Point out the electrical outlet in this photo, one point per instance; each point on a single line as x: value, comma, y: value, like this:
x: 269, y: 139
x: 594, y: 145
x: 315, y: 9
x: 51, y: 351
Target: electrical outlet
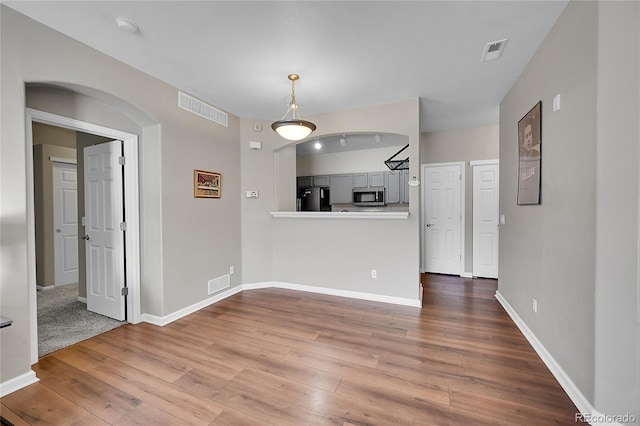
x: 374, y: 273
x: 535, y: 306
x: 231, y: 270
x: 251, y: 194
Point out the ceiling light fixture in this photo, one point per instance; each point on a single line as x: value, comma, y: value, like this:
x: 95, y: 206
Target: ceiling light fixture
x: 295, y: 128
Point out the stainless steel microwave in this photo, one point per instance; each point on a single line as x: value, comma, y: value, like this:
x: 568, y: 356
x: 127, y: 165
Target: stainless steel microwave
x: 368, y: 197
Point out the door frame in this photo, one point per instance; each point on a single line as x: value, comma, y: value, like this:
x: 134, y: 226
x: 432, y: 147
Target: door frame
x: 495, y: 162
x: 423, y: 207
x: 132, y: 212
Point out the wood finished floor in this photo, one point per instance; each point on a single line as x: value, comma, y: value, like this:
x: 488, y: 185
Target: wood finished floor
x: 280, y: 357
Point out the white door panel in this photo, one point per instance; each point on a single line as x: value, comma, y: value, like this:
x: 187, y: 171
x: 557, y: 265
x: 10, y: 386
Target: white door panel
x: 65, y: 223
x: 443, y: 219
x: 104, y: 212
x: 485, y: 220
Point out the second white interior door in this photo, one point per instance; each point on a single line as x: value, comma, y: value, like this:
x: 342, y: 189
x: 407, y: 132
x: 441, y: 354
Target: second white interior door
x: 485, y: 220
x: 65, y: 223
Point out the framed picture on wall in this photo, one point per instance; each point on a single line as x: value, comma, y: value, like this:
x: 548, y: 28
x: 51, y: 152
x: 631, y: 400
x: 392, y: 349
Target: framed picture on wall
x: 529, y: 156
x: 206, y: 184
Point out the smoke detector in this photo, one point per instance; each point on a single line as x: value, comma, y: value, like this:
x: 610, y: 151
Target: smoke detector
x: 127, y: 25
x: 493, y: 50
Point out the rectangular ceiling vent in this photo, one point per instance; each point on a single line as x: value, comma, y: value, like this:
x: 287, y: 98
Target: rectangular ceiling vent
x: 493, y: 50
x: 198, y: 107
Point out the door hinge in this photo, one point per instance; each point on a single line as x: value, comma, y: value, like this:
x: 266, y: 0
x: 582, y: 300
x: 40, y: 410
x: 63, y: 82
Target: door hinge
x: 125, y: 291
x: 123, y: 226
x: 122, y: 161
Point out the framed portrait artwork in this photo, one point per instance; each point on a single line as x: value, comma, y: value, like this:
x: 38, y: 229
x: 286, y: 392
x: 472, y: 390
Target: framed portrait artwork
x: 529, y: 156
x: 206, y: 184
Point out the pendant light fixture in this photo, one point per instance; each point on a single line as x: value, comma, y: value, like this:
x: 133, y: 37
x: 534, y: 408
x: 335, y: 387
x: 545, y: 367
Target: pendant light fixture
x: 295, y: 128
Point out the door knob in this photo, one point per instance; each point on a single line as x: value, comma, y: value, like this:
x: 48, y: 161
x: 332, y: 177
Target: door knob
x: 86, y: 237
x: 57, y: 231
x: 429, y: 225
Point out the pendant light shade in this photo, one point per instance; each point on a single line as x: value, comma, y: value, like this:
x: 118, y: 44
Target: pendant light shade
x: 295, y: 128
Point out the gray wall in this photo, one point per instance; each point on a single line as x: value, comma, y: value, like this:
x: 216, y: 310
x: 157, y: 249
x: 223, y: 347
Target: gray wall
x: 617, y: 303
x: 199, y: 238
x: 258, y: 169
x: 467, y: 144
x: 547, y: 251
x: 577, y: 252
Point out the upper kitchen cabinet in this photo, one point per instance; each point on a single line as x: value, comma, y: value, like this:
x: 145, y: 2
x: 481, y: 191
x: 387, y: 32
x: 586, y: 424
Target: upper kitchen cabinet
x: 313, y: 181
x: 404, y: 186
x: 321, y: 180
x: 368, y: 180
x: 341, y: 188
x: 360, y: 180
x: 305, y: 181
x: 397, y: 186
x: 393, y: 187
x: 376, y: 179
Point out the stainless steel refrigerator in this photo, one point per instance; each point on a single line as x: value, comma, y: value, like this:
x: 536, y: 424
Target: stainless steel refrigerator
x: 314, y: 200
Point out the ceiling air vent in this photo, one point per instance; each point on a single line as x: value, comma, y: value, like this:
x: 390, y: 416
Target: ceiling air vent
x: 493, y: 50
x: 203, y: 110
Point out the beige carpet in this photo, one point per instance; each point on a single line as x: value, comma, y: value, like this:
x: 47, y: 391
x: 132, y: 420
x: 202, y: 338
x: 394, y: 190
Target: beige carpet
x: 63, y: 320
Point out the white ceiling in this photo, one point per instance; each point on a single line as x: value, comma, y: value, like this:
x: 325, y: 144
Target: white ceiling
x: 236, y: 55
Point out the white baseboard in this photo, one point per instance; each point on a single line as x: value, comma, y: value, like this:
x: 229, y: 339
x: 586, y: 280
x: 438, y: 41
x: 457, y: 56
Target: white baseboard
x: 45, y: 287
x: 466, y: 275
x: 583, y: 405
x: 82, y: 300
x: 164, y: 320
x: 19, y: 382
x: 416, y: 303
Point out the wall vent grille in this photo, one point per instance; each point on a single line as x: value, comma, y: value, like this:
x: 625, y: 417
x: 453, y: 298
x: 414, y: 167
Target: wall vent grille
x: 198, y: 107
x: 220, y: 283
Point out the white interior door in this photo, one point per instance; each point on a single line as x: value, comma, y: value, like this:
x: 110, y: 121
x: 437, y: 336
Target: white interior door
x: 65, y: 223
x: 486, y: 204
x: 443, y: 219
x: 104, y: 213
